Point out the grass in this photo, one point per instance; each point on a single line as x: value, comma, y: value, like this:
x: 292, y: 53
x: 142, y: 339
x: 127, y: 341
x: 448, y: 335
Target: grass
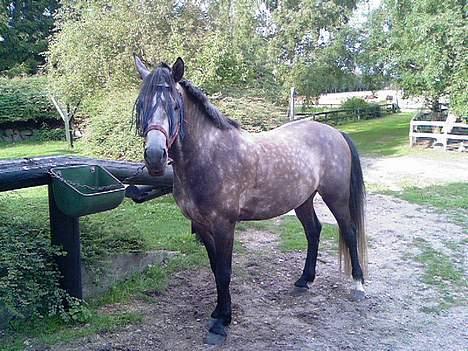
x: 34, y: 149
x: 442, y: 272
x: 387, y: 136
x: 52, y: 330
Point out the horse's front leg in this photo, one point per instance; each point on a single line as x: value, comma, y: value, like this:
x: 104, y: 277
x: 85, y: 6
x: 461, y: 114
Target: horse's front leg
x: 223, y: 235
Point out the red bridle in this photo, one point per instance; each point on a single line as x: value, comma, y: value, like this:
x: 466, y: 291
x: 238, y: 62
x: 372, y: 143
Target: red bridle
x: 169, y: 140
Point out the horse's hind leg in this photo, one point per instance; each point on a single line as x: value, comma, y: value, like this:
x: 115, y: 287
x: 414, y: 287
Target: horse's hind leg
x: 341, y: 212
x: 312, y: 228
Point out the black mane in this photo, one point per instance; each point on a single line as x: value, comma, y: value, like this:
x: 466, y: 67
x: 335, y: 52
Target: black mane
x: 213, y: 114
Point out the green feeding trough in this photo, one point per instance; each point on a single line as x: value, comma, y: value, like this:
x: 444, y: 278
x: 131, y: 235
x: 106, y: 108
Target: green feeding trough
x: 83, y: 190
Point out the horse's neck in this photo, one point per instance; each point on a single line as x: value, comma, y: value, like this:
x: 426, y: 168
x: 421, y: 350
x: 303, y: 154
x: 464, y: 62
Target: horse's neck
x: 198, y: 136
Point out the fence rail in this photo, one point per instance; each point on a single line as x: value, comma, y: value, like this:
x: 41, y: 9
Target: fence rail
x: 337, y: 116
x: 442, y: 132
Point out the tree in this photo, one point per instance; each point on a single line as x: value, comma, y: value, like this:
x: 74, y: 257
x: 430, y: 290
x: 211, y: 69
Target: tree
x: 427, y: 49
x: 24, y: 29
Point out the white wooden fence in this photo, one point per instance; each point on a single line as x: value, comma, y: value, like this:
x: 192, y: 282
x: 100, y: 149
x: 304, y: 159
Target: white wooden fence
x: 442, y: 132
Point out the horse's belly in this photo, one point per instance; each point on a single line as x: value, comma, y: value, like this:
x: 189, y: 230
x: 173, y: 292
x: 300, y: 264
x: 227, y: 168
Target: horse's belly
x: 261, y: 205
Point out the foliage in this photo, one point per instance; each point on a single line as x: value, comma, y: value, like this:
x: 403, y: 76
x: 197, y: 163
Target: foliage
x: 28, y: 278
x: 371, y: 42
x: 25, y: 100
x: 111, y: 132
x: 426, y: 48
x: 49, y: 134
x: 255, y: 114
x: 355, y: 103
x: 24, y: 27
x: 361, y: 107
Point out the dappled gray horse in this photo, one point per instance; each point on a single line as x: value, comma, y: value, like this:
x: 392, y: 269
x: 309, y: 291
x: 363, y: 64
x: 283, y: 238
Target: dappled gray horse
x: 223, y: 175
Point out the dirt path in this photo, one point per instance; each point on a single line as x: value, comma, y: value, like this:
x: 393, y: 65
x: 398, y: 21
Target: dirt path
x: 268, y: 315
x: 396, y: 172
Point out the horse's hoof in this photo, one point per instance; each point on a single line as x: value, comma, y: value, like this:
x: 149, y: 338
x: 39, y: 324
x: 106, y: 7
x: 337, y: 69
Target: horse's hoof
x: 217, y: 332
x: 301, y: 284
x: 298, y: 290
x: 358, y: 295
x: 214, y: 339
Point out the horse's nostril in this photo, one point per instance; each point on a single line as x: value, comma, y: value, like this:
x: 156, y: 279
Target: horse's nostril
x: 145, y: 154
x: 164, y: 154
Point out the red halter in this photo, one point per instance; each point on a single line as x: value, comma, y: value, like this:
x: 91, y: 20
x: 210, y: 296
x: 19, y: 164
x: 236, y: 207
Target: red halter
x: 169, y: 140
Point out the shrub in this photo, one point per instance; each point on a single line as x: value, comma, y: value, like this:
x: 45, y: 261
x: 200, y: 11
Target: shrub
x: 362, y: 109
x: 110, y: 132
x: 374, y: 110
x: 28, y: 277
x: 25, y: 100
x: 355, y: 104
x: 49, y: 134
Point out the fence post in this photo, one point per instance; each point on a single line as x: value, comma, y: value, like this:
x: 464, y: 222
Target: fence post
x: 65, y: 232
x: 291, y: 104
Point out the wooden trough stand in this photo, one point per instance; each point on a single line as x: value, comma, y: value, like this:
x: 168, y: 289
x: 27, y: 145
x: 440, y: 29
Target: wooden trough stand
x: 64, y: 176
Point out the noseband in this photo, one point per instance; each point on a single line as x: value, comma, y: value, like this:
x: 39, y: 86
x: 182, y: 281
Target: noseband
x: 170, y: 139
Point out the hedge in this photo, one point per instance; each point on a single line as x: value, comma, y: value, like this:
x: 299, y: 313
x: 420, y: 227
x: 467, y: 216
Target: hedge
x: 25, y: 100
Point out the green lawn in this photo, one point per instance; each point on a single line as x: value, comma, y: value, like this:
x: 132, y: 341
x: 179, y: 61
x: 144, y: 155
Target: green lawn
x: 34, y: 149
x: 387, y: 136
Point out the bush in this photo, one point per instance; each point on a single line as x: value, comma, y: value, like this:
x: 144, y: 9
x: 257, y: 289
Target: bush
x: 362, y: 109
x: 49, y: 134
x: 355, y: 104
x: 374, y: 110
x: 25, y: 100
x: 28, y: 277
x: 110, y: 131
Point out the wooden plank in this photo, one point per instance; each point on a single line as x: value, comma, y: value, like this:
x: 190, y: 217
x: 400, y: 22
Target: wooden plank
x: 27, y: 172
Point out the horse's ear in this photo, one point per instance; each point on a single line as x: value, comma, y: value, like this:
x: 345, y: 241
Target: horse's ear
x: 178, y: 69
x: 140, y: 66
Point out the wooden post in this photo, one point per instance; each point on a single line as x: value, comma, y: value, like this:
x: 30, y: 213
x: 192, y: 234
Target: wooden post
x: 291, y: 104
x: 65, y: 233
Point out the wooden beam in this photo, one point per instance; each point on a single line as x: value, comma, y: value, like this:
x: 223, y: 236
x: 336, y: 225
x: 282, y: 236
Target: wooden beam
x: 27, y: 172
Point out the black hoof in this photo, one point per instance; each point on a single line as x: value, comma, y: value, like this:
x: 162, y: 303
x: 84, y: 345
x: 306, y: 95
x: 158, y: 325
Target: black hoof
x: 217, y: 332
x: 214, y: 339
x: 358, y: 295
x: 297, y: 291
x: 301, y: 283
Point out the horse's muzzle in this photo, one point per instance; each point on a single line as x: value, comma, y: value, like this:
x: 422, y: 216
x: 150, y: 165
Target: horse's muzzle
x: 156, y: 161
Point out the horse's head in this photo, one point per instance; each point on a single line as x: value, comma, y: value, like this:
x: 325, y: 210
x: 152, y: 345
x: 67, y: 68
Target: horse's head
x: 159, y: 112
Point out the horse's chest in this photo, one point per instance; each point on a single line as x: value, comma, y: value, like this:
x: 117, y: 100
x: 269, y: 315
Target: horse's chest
x: 186, y: 202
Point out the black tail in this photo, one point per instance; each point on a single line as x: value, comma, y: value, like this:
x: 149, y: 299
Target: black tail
x: 356, y: 207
